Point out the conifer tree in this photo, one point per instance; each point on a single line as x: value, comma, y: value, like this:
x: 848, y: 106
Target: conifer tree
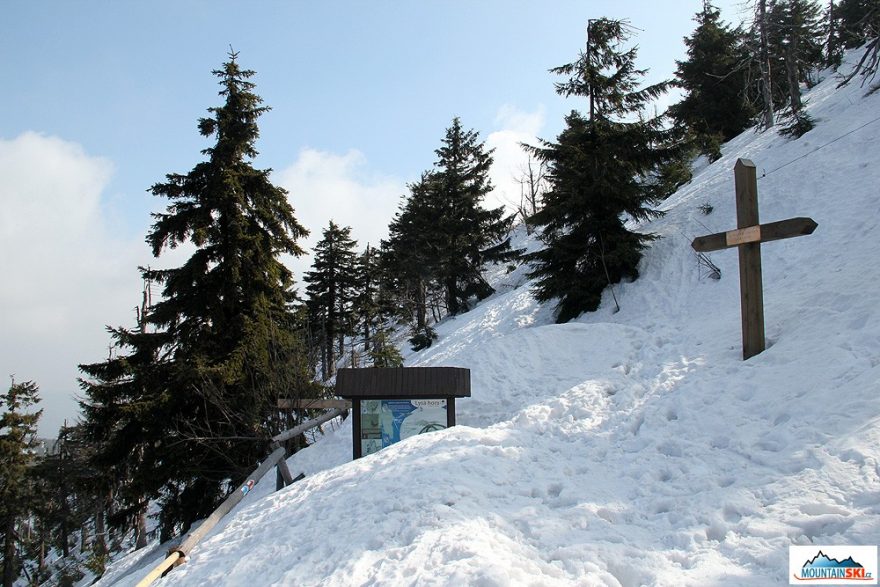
x: 331, y: 290
x: 410, y: 257
x: 369, y: 306
x: 716, y: 107
x: 230, y: 344
x: 472, y: 236
x: 856, y: 21
x: 18, y: 431
x: 600, y: 168
x: 383, y: 353
x: 127, y: 413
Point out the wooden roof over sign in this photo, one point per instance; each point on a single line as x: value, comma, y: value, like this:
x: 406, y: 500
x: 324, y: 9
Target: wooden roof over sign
x: 408, y: 382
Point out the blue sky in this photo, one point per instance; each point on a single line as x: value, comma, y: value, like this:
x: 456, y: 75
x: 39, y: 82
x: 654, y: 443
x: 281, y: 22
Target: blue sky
x: 101, y: 100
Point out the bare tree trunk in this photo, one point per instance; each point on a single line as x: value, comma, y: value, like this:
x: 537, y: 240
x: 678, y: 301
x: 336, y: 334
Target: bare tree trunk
x: 141, y: 530
x: 83, y: 538
x: 100, y: 529
x: 831, y: 46
x: 329, y: 350
x: 366, y: 335
x: 421, y: 307
x: 590, y: 81
x: 9, y: 574
x: 794, y: 90
x: 765, y: 65
x: 41, y: 562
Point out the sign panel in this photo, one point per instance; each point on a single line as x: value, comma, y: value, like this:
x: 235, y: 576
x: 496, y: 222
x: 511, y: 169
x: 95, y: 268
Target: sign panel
x: 386, y: 421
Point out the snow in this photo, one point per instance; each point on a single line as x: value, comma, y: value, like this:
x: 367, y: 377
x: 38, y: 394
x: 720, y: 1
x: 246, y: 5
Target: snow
x: 628, y: 448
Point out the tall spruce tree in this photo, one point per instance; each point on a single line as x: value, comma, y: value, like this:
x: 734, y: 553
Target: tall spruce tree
x: 472, y: 236
x: 714, y: 76
x: 410, y: 258
x: 18, y: 432
x: 231, y: 347
x: 599, y: 169
x: 331, y: 291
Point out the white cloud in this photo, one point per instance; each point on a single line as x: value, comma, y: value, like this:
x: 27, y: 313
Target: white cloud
x: 327, y: 186
x: 514, y: 128
x: 63, y: 275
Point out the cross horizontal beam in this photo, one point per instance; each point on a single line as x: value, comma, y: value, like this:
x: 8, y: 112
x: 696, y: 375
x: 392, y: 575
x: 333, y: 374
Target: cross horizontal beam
x: 760, y: 233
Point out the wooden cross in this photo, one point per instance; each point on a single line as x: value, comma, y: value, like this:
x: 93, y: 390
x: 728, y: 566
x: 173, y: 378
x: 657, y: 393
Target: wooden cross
x: 748, y: 236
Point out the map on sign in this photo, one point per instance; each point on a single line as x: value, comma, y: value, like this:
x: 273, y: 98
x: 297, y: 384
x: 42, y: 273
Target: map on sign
x: 386, y: 421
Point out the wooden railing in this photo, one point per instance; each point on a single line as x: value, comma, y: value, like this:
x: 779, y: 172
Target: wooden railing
x: 276, y: 459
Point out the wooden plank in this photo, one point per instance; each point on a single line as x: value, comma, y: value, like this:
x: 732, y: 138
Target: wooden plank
x: 160, y: 569
x: 710, y: 242
x: 790, y: 228
x: 313, y: 404
x: 741, y: 236
x: 772, y: 231
x: 751, y: 291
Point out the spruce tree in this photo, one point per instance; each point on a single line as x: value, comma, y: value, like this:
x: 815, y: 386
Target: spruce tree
x: 410, y: 258
x: 600, y: 168
x: 714, y: 76
x: 369, y: 306
x: 856, y: 21
x: 18, y: 431
x: 472, y: 236
x: 383, y: 352
x: 231, y: 348
x: 331, y: 291
x: 127, y: 413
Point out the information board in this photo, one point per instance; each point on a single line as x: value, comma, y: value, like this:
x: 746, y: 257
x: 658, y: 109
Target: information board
x: 386, y: 421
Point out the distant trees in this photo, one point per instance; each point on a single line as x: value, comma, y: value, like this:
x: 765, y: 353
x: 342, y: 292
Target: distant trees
x: 601, y: 169
x: 18, y: 431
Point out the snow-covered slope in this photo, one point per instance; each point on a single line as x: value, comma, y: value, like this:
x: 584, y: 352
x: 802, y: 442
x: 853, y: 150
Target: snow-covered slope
x: 629, y: 448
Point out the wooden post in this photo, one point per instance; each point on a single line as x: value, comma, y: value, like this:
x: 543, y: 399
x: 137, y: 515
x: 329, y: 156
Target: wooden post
x: 751, y: 290
x: 284, y: 478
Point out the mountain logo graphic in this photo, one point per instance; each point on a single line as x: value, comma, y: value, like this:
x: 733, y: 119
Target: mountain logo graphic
x: 833, y: 571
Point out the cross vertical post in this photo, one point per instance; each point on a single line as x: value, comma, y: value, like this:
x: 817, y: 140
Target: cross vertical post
x: 750, y: 286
